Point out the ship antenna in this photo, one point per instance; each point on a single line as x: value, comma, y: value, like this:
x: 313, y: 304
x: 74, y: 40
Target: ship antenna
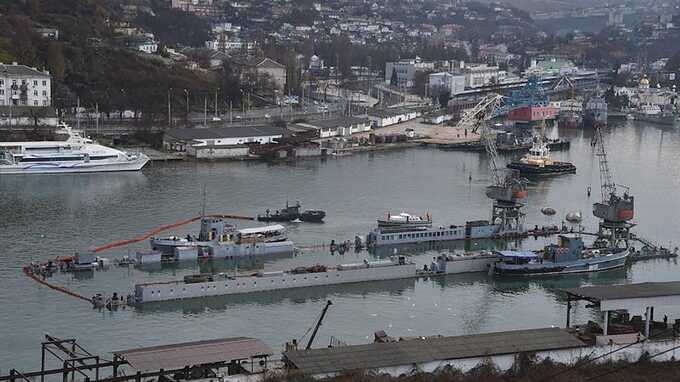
x: 203, y: 206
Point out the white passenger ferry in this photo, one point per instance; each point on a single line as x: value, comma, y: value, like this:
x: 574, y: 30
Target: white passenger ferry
x: 76, y: 154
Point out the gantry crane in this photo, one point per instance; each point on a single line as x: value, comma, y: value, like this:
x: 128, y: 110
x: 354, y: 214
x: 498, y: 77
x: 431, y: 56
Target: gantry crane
x: 614, y: 210
x: 506, y: 190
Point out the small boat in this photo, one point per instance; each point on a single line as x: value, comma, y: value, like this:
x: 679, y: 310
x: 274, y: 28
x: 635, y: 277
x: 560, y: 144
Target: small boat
x: 574, y: 217
x: 405, y: 221
x: 569, y: 256
x: 548, y: 211
x: 292, y: 213
x: 312, y: 216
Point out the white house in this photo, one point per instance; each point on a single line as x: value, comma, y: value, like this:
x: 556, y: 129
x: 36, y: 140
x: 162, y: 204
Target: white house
x: 388, y: 117
x: 337, y: 127
x: 21, y: 85
x: 214, y: 143
x: 478, y: 75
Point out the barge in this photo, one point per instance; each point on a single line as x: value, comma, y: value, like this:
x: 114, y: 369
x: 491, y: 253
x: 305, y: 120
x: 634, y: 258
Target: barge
x: 303, y: 277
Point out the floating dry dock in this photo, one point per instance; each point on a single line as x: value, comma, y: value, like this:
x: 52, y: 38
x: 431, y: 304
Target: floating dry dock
x: 397, y: 267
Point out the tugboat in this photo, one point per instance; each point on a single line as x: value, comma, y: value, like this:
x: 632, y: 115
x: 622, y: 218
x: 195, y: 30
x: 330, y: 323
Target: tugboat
x: 405, y: 221
x: 538, y: 162
x: 569, y: 256
x: 292, y: 213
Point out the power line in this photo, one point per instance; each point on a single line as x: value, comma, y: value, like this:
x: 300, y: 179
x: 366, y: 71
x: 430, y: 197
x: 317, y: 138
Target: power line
x: 591, y: 360
x: 632, y: 364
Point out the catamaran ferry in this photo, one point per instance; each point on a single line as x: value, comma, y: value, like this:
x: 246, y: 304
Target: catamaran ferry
x: 76, y: 154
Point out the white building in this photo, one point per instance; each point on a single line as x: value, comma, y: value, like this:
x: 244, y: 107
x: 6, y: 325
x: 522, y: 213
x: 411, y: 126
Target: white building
x: 21, y: 85
x: 337, y: 127
x: 453, y: 83
x: 213, y: 143
x: 478, y: 75
x: 388, y: 117
x: 405, y: 70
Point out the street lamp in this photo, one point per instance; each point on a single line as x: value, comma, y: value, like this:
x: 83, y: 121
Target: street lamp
x: 186, y: 93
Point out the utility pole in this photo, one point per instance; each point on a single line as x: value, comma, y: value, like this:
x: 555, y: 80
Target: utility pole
x: 169, y: 111
x: 78, y: 113
x: 96, y: 111
x: 216, y: 91
x: 205, y: 111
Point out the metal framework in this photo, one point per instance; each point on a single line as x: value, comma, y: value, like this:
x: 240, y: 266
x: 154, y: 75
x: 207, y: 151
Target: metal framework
x: 505, y: 190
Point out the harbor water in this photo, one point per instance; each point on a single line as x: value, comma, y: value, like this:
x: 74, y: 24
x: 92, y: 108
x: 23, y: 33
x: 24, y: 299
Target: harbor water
x: 44, y: 216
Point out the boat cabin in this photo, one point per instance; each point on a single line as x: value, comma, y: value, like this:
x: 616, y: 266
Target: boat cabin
x: 270, y: 233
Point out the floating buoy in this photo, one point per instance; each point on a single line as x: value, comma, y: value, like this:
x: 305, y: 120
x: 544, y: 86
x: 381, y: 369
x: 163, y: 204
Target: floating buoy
x: 548, y: 211
x: 574, y: 217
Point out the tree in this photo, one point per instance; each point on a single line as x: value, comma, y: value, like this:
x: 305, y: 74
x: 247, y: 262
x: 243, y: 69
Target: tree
x: 394, y: 80
x: 55, y: 60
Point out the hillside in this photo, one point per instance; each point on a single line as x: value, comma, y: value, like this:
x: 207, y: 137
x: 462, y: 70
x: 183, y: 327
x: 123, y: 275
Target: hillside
x: 87, y: 61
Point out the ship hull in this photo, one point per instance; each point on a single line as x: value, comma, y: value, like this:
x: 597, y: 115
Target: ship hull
x: 599, y: 264
x: 666, y: 120
x: 557, y: 168
x: 386, y: 237
x: 73, y: 167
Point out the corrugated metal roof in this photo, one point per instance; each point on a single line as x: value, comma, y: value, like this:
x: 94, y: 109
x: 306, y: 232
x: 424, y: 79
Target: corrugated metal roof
x: 617, y: 292
x: 377, y: 355
x: 177, y: 356
x: 224, y: 132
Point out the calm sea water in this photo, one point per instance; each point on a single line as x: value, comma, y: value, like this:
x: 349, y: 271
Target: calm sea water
x: 45, y: 216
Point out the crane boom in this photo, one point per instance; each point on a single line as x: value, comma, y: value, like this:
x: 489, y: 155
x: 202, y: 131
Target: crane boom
x: 607, y: 185
x: 477, y: 120
x: 318, y: 324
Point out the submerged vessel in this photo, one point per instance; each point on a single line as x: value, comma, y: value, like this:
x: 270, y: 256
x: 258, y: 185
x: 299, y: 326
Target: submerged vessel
x: 216, y: 240
x: 292, y: 213
x: 479, y: 229
x: 569, y: 256
x: 655, y: 114
x: 302, y: 277
x: 539, y: 163
x: 75, y: 154
x: 595, y: 112
x: 405, y: 221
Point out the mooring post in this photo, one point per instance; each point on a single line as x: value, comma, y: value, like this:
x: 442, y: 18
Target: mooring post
x: 138, y: 376
x: 42, y: 363
x: 568, y: 310
x: 115, y: 365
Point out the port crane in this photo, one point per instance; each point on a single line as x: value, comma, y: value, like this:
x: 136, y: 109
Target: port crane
x: 506, y: 189
x: 614, y: 210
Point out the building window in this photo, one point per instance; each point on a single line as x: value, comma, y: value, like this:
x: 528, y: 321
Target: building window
x: 35, y: 103
x: 45, y: 103
x: 23, y: 82
x: 14, y: 82
x: 2, y: 82
x: 35, y: 82
x: 35, y: 93
x: 2, y: 91
x: 44, y: 93
x: 44, y: 83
